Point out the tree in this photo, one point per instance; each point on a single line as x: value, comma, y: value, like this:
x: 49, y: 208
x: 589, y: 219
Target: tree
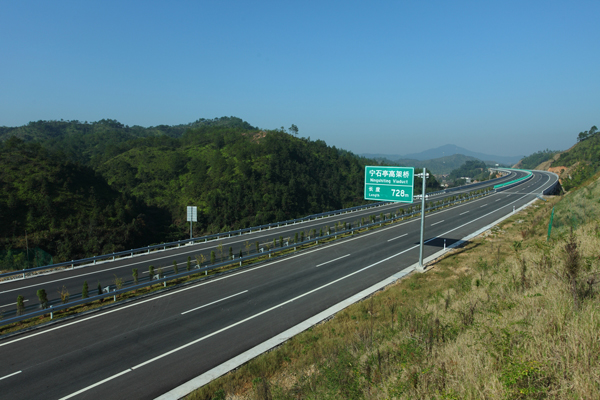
x: 135, y: 275
x: 84, y: 291
x: 43, y: 298
x: 175, y: 269
x: 293, y: 129
x: 20, y: 305
x: 189, y: 263
x: 151, y: 271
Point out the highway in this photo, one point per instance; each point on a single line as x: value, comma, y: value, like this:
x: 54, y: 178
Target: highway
x: 105, y: 273
x: 148, y: 347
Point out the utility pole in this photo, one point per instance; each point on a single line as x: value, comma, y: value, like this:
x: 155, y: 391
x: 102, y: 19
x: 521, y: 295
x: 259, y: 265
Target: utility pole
x: 424, y: 175
x: 27, y: 244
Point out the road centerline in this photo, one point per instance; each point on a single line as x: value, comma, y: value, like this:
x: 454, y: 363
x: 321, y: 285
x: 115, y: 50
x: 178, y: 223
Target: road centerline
x: 397, y: 237
x: 9, y: 375
x: 214, y: 302
x: 439, y: 222
x: 335, y: 259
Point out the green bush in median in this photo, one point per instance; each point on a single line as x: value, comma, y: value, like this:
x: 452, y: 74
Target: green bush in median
x: 84, y: 291
x: 41, y: 294
x: 20, y: 305
x: 175, y: 269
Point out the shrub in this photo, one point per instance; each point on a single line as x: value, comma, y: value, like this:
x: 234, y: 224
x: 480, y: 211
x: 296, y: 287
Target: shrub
x: 175, y: 269
x: 189, y: 263
x: 151, y: 271
x: 135, y: 275
x: 213, y: 256
x: 84, y: 290
x: 41, y: 294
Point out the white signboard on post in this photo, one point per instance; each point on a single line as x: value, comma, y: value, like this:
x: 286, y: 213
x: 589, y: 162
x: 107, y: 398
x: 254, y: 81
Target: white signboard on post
x: 192, y: 214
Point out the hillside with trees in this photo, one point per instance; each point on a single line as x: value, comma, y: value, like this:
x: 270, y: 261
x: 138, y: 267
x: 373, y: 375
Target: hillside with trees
x: 80, y: 189
x: 581, y: 161
x: 65, y: 209
x: 535, y: 159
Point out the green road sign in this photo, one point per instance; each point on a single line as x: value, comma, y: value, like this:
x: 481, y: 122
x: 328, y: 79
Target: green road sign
x: 389, y: 183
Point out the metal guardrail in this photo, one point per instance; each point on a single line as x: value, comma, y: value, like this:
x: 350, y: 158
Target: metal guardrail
x: 179, y: 243
x: 163, y: 246
x: 270, y: 252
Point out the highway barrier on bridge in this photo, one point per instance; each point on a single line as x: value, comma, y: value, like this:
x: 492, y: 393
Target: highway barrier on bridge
x: 508, y: 185
x: 113, y: 291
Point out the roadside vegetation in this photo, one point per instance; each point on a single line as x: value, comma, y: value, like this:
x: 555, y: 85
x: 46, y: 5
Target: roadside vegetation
x: 508, y: 316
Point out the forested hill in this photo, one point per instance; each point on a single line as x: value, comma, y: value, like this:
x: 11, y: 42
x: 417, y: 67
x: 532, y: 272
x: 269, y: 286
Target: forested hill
x: 95, y: 142
x: 238, y: 177
x: 81, y: 189
x: 66, y: 209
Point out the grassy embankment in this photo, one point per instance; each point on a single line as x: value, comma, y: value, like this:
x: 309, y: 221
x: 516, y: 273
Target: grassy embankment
x: 507, y: 316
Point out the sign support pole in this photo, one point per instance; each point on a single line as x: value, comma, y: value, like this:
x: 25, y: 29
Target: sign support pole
x: 421, y: 267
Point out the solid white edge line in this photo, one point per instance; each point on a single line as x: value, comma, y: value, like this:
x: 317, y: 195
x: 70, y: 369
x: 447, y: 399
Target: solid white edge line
x: 439, y: 222
x: 214, y: 302
x: 397, y: 237
x: 96, y: 384
x: 9, y: 375
x: 335, y: 259
x: 237, y: 361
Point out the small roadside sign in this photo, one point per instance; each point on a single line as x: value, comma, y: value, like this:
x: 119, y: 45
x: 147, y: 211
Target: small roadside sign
x: 192, y: 214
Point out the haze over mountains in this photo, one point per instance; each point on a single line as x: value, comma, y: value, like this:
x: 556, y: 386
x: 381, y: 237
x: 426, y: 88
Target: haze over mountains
x: 446, y: 151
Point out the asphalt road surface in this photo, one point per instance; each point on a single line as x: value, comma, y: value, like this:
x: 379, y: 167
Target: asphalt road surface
x: 106, y: 272
x: 148, y: 347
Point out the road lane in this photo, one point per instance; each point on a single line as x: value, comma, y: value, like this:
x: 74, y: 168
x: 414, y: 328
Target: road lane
x: 111, y: 342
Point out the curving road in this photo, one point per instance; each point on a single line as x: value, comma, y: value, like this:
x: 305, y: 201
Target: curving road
x: 150, y: 346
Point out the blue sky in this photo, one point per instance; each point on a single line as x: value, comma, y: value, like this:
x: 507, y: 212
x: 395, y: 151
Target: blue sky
x: 505, y: 77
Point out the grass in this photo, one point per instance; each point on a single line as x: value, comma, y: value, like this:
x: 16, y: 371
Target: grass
x: 499, y: 318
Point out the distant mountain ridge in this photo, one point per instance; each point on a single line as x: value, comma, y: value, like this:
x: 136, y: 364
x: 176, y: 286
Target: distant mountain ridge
x: 445, y: 151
